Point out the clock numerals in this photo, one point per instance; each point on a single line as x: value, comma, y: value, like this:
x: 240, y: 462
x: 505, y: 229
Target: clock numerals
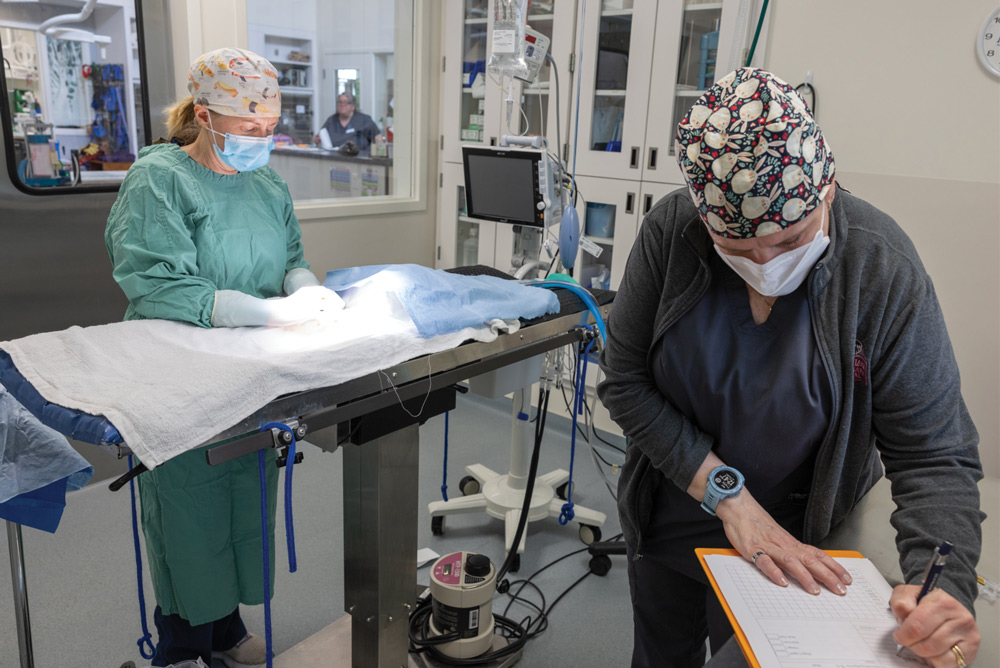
x: 988, y: 47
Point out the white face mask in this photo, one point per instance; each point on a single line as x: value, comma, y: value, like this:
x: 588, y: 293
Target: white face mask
x: 780, y: 275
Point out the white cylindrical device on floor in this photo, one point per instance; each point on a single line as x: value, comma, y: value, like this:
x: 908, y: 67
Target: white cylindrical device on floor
x: 462, y: 588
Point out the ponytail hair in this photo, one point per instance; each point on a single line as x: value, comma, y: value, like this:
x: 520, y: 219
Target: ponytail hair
x: 181, y: 123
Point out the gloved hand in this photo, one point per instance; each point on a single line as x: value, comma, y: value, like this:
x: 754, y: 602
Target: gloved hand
x: 238, y: 309
x: 298, y: 278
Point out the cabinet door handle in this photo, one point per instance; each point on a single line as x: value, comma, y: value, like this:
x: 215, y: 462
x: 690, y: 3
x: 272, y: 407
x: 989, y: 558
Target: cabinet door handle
x: 651, y: 163
x: 648, y: 204
x: 634, y: 161
x: 629, y: 202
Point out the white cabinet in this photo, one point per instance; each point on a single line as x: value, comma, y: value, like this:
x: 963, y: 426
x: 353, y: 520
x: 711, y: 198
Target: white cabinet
x: 614, y: 87
x: 609, y: 219
x: 644, y: 63
x: 534, y: 109
x: 473, y: 112
x: 473, y: 106
x: 462, y: 241
x: 293, y: 54
x: 688, y: 37
x: 465, y: 93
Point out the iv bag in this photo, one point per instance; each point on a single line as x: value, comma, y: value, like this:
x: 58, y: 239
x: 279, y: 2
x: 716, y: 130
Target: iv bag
x: 508, y: 33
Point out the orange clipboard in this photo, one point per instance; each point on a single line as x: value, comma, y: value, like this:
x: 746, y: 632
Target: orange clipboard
x: 741, y: 637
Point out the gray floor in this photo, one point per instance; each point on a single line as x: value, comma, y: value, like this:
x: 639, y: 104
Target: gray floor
x: 81, y: 580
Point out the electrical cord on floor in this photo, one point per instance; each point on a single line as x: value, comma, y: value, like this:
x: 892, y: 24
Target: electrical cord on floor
x: 544, y: 610
x: 517, y: 633
x: 421, y: 639
x: 419, y: 627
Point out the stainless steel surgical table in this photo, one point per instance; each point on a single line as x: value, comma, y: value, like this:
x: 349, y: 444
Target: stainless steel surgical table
x: 380, y: 473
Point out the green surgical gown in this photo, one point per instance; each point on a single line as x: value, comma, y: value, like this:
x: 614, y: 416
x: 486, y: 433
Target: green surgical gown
x: 177, y: 233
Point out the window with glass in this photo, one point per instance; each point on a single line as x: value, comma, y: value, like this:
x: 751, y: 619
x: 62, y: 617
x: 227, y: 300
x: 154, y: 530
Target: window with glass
x: 611, y: 81
x: 72, y: 110
x: 344, y: 133
x: 476, y: 32
x: 699, y: 46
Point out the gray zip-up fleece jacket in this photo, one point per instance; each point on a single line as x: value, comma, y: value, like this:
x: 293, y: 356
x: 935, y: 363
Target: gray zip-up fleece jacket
x: 896, y: 389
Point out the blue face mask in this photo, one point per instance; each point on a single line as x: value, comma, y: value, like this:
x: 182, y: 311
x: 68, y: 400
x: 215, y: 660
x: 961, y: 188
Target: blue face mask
x: 244, y: 153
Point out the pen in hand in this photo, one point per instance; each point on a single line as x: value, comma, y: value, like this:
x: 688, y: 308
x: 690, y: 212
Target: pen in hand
x: 934, y: 568
x: 931, y: 575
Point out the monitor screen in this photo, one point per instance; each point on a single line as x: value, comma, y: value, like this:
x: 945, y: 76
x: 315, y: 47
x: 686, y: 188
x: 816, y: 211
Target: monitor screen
x: 501, y: 185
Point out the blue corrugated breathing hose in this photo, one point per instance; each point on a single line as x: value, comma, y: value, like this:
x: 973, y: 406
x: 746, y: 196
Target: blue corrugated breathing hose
x: 582, y: 293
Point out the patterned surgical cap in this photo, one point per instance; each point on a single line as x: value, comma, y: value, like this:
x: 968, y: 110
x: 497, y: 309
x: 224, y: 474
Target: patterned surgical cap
x: 752, y: 155
x: 234, y: 82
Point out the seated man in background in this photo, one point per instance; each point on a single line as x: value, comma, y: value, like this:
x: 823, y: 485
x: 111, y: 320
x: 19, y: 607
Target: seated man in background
x: 350, y: 124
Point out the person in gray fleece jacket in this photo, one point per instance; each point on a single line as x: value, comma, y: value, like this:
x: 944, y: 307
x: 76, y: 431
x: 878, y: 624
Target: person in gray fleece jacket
x: 809, y: 376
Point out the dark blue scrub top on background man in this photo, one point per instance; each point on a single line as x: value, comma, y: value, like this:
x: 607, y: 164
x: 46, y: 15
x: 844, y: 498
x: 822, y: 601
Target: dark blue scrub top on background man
x: 361, y: 129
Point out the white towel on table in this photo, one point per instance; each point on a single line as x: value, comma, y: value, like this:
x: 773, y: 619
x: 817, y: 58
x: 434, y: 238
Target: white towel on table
x: 169, y: 387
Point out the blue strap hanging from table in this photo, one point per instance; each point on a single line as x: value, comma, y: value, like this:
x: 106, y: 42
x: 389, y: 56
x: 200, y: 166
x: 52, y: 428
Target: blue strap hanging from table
x: 267, y: 557
x: 146, y: 638
x: 289, y: 527
x: 579, y: 399
x: 444, y: 475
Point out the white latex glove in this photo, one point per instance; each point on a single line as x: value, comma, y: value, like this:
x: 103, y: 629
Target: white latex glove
x: 297, y: 279
x: 238, y: 309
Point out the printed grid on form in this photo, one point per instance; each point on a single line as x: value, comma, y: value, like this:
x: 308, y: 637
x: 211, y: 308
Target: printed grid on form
x: 864, y: 603
x: 789, y: 628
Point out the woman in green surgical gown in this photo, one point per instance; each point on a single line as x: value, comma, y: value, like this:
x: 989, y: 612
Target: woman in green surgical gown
x: 203, y: 232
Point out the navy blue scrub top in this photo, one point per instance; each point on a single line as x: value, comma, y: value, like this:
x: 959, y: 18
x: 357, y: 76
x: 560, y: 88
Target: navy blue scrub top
x: 361, y: 129
x: 760, y: 390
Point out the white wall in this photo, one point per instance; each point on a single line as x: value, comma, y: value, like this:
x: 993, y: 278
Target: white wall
x: 914, y: 122
x: 289, y: 14
x: 352, y: 26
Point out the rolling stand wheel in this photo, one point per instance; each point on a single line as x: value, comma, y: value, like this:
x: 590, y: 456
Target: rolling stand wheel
x: 562, y: 489
x: 469, y: 485
x: 515, y: 564
x: 600, y: 564
x: 437, y: 525
x: 589, y: 534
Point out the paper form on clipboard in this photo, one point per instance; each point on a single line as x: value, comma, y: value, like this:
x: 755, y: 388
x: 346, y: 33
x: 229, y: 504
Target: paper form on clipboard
x: 785, y: 627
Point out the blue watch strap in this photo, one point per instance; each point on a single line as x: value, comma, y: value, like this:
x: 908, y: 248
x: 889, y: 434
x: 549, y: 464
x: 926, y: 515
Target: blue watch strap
x: 714, y: 494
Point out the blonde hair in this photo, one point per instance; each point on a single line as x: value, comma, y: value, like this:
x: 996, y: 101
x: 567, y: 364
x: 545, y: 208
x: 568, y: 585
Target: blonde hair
x: 181, y: 123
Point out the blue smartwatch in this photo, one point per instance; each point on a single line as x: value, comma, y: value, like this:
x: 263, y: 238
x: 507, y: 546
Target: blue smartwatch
x: 723, y: 482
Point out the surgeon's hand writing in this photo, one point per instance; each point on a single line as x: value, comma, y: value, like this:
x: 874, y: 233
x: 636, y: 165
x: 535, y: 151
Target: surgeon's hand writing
x: 752, y: 531
x: 931, y: 628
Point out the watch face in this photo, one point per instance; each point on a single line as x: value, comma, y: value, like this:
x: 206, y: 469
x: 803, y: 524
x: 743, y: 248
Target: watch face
x: 725, y: 480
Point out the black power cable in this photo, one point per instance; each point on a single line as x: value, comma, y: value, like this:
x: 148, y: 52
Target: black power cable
x: 420, y: 634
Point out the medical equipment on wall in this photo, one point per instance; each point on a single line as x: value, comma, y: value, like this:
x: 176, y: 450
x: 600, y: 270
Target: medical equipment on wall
x: 519, y: 183
x: 512, y: 185
x: 534, y: 48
